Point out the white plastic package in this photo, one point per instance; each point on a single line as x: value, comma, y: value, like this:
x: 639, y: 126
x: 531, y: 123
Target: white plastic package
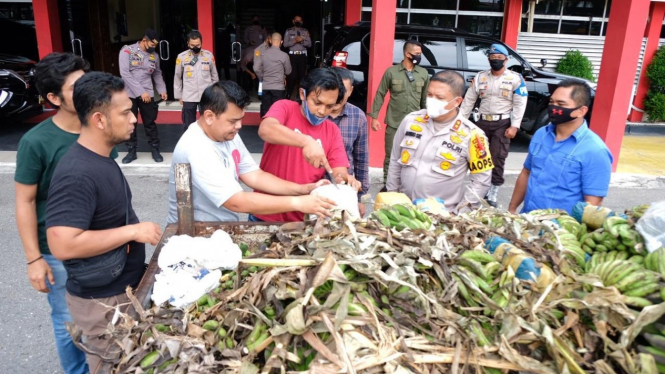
x: 652, y: 226
x: 190, y: 267
x: 345, y: 197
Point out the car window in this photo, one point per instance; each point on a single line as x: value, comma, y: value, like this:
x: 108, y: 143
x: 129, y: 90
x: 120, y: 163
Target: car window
x: 439, y: 52
x: 477, y: 52
x: 398, y: 47
x: 354, y: 53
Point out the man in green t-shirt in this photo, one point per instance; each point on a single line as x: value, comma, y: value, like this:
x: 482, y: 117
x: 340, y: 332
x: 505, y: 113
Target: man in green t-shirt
x: 39, y: 151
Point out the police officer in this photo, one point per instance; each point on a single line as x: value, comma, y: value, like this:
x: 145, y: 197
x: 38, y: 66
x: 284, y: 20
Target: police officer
x: 139, y: 65
x: 255, y: 35
x: 297, y: 40
x: 272, y: 66
x: 503, y: 96
x: 435, y: 148
x: 249, y: 80
x: 194, y: 71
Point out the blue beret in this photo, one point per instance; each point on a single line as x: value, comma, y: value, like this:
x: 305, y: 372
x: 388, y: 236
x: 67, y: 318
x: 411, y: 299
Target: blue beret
x: 499, y: 49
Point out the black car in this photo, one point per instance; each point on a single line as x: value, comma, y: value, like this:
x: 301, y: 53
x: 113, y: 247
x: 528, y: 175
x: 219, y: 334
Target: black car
x: 18, y: 94
x: 451, y: 49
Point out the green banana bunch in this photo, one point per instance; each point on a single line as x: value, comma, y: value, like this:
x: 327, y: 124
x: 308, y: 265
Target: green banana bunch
x: 630, y: 278
x: 571, y: 246
x: 620, y: 230
x: 600, y: 257
x: 655, y: 261
x: 638, y: 211
x: 656, y: 348
x: 401, y: 217
x: 571, y: 225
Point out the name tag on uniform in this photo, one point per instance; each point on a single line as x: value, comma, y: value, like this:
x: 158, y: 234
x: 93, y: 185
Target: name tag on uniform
x: 205, y: 67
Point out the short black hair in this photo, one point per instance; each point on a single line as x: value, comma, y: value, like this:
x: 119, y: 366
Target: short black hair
x: 194, y: 34
x: 453, y: 79
x: 344, y: 74
x: 52, y: 71
x: 322, y: 79
x: 409, y: 43
x: 581, y: 93
x: 94, y: 92
x: 217, y: 97
x: 151, y: 35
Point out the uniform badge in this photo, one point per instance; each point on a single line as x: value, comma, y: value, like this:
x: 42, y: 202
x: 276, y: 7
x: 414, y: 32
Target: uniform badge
x: 445, y: 165
x: 405, y: 156
x: 152, y: 57
x: 422, y: 120
x: 409, y: 142
x: 177, y: 61
x: 505, y: 93
x: 457, y: 125
x: 187, y: 60
x: 455, y: 139
x: 205, y: 59
x: 416, y: 128
x: 462, y: 133
x: 483, y: 79
x: 257, y: 53
x: 508, y: 77
x: 448, y: 156
x: 480, y: 159
x: 189, y: 74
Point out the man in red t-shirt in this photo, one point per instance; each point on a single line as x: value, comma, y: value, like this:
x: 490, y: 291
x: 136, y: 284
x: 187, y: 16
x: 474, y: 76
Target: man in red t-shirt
x: 300, y: 143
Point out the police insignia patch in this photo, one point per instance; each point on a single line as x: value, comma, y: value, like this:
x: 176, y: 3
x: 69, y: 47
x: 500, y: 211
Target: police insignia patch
x: 189, y: 74
x: 177, y: 61
x: 257, y: 53
x: 457, y: 125
x: 455, y: 139
x: 445, y: 165
x: 462, y: 133
x: 480, y: 159
x: 416, y: 128
x: 448, y: 156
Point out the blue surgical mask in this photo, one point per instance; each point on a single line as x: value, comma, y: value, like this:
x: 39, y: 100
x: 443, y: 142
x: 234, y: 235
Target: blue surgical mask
x: 314, y: 120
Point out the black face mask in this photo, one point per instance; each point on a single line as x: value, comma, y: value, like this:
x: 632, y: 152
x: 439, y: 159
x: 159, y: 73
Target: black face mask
x: 150, y: 49
x: 196, y: 49
x: 416, y: 59
x: 298, y: 24
x: 255, y: 22
x: 559, y: 114
x: 497, y: 65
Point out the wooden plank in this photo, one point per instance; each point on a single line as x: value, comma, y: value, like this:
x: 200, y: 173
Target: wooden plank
x: 183, y: 195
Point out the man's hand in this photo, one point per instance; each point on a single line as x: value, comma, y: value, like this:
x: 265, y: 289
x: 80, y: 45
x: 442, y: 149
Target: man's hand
x: 512, y: 210
x: 164, y: 95
x: 147, y: 232
x: 38, y: 272
x: 309, y: 187
x: 180, y: 101
x: 146, y: 97
x: 251, y: 75
x: 314, y: 154
x: 511, y: 132
x: 353, y: 182
x: 299, y: 39
x: 376, y: 125
x: 311, y: 204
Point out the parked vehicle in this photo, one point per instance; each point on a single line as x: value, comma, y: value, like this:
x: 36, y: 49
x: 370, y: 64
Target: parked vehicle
x: 443, y: 49
x: 18, y: 95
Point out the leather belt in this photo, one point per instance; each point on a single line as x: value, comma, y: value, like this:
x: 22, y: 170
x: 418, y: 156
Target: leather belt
x: 494, y: 117
x: 298, y: 52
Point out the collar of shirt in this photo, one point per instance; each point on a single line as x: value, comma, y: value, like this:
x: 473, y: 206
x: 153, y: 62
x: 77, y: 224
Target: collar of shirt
x: 579, y: 133
x: 441, y: 128
x: 346, y: 111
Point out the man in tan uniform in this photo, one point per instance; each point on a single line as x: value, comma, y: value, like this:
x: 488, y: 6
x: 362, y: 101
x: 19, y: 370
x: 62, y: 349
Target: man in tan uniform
x: 503, y: 97
x: 272, y: 66
x: 194, y: 71
x: 297, y: 40
x: 255, y: 34
x: 436, y: 147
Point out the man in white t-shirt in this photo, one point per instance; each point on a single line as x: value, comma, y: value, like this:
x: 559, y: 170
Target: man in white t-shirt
x: 219, y: 160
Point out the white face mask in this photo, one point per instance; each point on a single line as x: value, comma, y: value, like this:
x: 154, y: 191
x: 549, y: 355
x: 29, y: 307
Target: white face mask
x: 437, y: 108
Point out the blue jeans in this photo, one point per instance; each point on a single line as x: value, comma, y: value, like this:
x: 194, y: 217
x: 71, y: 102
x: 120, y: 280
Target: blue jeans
x: 71, y: 358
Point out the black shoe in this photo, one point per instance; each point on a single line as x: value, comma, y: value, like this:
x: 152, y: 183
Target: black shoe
x: 493, y: 204
x: 384, y: 189
x: 156, y: 155
x: 131, y: 156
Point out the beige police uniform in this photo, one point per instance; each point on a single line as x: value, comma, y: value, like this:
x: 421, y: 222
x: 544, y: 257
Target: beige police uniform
x: 193, y: 74
x: 297, y: 55
x: 426, y: 162
x: 255, y: 35
x: 503, y: 101
x: 271, y: 66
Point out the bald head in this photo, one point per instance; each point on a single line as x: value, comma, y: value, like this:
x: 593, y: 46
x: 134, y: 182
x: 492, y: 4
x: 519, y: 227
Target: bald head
x: 276, y: 38
x: 453, y: 79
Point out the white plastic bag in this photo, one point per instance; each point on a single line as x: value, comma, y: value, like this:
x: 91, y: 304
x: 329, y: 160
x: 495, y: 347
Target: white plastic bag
x: 652, y: 226
x: 345, y: 197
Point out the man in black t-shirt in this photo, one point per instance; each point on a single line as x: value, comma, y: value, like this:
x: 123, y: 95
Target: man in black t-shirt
x: 89, y: 211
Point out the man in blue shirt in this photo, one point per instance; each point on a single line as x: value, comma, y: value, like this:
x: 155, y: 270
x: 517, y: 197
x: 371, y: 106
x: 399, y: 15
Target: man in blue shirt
x: 567, y: 162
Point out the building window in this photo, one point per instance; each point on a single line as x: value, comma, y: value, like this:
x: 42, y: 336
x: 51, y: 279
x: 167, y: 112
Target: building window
x: 580, y: 17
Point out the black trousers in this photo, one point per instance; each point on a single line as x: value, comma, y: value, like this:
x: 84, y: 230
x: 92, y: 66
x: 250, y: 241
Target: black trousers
x: 148, y: 116
x: 268, y: 98
x: 298, y: 71
x: 499, y: 146
x: 189, y: 113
